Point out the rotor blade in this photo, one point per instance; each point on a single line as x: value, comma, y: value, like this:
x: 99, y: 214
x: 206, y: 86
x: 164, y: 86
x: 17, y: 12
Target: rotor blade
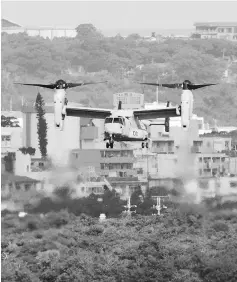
x: 173, y: 85
x: 193, y: 86
x: 70, y: 85
x: 50, y: 86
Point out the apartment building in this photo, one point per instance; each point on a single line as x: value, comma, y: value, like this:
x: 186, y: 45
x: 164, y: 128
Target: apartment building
x: 220, y: 30
x: 59, y: 142
x: 11, y: 139
x: 45, y: 32
x: 116, y: 165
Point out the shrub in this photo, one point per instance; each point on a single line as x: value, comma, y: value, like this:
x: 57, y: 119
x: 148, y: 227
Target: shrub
x: 48, y: 257
x: 32, y: 225
x: 95, y: 230
x: 58, y: 219
x: 220, y: 226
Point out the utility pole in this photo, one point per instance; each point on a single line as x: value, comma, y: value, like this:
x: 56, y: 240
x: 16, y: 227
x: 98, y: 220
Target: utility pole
x: 158, y: 203
x: 129, y: 206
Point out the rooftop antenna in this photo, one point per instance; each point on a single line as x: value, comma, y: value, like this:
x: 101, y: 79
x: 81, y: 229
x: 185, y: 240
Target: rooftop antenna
x: 129, y: 206
x: 159, y: 206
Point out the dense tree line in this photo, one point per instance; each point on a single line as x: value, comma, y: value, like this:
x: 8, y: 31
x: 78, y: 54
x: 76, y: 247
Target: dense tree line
x: 92, y: 56
x: 188, y: 244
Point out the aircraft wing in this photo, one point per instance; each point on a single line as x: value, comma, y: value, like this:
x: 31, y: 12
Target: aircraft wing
x: 87, y: 112
x: 157, y: 113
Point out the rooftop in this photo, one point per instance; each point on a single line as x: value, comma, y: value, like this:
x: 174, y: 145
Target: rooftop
x: 37, y: 28
x: 9, y: 177
x: 214, y: 24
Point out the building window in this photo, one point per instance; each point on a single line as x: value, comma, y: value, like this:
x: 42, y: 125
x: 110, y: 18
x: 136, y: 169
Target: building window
x: 226, y: 145
x: 214, y: 171
x: 18, y: 186
x: 41, y: 164
x: 233, y: 184
x: 27, y: 187
x: 6, y: 140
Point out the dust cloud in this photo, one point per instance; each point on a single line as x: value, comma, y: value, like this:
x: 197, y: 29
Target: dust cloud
x: 185, y: 169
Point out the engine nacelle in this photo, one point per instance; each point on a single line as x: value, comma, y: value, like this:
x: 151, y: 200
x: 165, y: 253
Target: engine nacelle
x: 186, y: 108
x: 59, y: 108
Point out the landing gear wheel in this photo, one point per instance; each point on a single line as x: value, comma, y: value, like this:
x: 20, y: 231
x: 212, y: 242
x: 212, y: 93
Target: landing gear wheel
x: 147, y: 145
x: 110, y: 144
x: 143, y: 145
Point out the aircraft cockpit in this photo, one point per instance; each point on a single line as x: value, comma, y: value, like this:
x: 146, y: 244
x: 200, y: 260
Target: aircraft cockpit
x: 119, y: 120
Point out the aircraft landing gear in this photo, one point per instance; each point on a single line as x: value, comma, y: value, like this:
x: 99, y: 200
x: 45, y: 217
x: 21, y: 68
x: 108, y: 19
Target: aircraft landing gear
x: 145, y: 144
x: 110, y: 144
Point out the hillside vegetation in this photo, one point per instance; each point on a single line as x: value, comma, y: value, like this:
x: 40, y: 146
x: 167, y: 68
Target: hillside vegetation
x: 91, y: 56
x: 186, y: 245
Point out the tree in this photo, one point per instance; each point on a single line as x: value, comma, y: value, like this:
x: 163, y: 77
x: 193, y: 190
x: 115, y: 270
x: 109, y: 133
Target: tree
x: 28, y: 150
x: 112, y: 205
x: 42, y: 125
x: 9, y: 162
x: 9, y: 121
x: 88, y: 31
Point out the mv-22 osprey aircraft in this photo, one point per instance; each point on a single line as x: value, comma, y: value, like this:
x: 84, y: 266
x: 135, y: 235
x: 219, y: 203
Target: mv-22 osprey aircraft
x: 120, y: 124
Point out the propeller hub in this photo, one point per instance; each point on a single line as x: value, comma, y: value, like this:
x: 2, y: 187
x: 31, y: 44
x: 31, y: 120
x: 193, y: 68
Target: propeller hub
x: 186, y: 84
x: 60, y: 84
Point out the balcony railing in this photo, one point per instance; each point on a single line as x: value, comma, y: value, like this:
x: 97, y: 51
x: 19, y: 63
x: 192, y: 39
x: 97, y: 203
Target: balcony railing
x: 163, y: 150
x: 117, y: 160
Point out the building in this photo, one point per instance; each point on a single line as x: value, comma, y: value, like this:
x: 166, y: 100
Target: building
x: 130, y: 100
x: 215, y: 144
x: 233, y: 166
x: 220, y: 30
x: 17, y: 189
x: 59, y: 142
x: 11, y: 139
x: 45, y: 32
x: 116, y: 165
x: 146, y: 164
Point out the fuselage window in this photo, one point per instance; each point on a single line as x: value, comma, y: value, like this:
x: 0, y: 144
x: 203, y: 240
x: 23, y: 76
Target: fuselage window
x: 108, y: 120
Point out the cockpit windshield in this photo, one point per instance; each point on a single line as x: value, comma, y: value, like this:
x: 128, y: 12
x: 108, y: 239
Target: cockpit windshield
x: 108, y: 120
x: 114, y: 120
x: 118, y: 120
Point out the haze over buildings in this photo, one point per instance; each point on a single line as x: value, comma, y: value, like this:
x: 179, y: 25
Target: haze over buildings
x: 106, y: 16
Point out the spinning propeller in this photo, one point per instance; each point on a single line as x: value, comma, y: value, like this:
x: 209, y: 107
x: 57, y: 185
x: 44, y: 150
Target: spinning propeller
x: 186, y: 85
x: 60, y: 84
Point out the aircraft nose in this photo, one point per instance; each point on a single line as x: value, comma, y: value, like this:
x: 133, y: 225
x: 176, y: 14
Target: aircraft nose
x: 113, y: 128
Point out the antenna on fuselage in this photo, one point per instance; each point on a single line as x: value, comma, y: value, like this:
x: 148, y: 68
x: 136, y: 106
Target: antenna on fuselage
x: 120, y: 105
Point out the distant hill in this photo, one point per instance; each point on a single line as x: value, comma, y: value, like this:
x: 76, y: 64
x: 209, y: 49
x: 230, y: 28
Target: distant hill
x: 6, y: 23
